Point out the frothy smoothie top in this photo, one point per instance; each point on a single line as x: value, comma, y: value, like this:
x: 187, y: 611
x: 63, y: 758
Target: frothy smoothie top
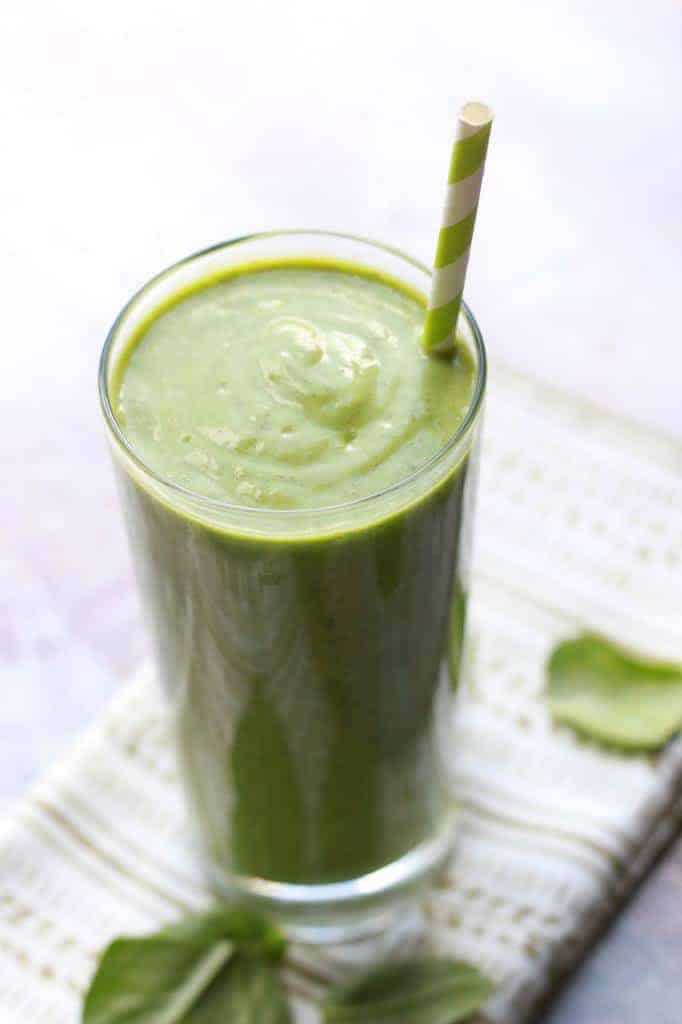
x: 289, y: 386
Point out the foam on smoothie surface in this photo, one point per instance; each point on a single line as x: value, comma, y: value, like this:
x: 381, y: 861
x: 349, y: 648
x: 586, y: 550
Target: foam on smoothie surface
x: 289, y: 385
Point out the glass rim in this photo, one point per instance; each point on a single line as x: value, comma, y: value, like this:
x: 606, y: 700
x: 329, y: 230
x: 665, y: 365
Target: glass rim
x: 218, y: 505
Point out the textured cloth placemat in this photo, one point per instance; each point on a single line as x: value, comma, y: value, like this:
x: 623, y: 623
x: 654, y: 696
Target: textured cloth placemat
x: 578, y: 526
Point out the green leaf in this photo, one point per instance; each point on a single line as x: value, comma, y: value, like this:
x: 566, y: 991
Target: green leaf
x: 249, y: 991
x: 206, y: 969
x: 247, y: 930
x: 424, y: 991
x: 155, y: 981
x: 612, y: 695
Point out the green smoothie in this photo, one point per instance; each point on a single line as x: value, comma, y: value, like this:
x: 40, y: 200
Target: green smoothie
x: 291, y: 386
x: 302, y: 661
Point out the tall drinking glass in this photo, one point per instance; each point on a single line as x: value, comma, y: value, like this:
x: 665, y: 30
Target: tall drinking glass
x: 309, y: 657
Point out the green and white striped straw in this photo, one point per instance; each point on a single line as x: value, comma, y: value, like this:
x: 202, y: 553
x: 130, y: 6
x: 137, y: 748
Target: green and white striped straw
x: 454, y: 239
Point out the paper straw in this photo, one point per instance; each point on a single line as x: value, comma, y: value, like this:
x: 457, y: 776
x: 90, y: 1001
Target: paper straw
x: 454, y: 239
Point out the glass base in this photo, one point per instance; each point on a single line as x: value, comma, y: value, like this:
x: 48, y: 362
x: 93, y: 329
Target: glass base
x: 339, y: 912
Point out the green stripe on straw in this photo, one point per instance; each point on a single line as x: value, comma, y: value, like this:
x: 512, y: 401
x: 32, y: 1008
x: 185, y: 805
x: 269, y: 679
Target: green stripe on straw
x: 459, y: 216
x: 454, y: 241
x: 468, y: 155
x: 439, y: 323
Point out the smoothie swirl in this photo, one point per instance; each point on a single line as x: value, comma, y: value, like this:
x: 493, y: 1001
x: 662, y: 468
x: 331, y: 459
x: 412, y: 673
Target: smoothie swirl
x: 290, y: 386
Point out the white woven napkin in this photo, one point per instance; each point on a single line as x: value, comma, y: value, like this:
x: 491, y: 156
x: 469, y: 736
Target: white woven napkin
x: 578, y: 527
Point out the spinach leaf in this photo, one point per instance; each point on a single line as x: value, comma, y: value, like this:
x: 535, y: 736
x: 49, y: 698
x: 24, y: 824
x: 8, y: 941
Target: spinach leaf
x: 422, y: 991
x: 612, y: 695
x: 207, y: 969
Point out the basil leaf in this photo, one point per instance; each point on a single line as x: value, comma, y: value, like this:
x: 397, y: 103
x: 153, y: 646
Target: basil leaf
x: 613, y: 696
x: 191, y: 972
x: 248, y: 991
x: 152, y: 981
x: 247, y: 930
x: 423, y: 991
